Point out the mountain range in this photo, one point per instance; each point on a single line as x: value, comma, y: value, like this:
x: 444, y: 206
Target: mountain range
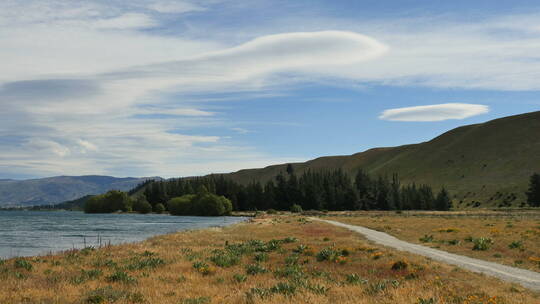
x: 58, y: 189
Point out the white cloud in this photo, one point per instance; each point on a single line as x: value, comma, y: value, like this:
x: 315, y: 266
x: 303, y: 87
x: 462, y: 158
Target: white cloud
x: 86, y: 145
x: 175, y: 7
x: 436, y: 112
x: 45, y: 147
x: 77, y: 75
x: 241, y: 130
x: 176, y: 112
x: 126, y: 21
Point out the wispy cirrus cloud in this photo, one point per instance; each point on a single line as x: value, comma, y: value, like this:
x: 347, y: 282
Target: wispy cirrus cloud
x: 92, y: 116
x: 100, y: 69
x: 437, y: 112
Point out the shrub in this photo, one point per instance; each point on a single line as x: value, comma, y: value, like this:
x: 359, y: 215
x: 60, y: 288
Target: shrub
x: 284, y: 288
x: 141, y: 205
x: 159, y: 208
x: 203, y: 204
x: 203, y: 268
x: 21, y: 263
x: 289, y: 239
x: 271, y: 211
x: 240, y: 278
x: 261, y: 257
x: 103, y: 295
x: 453, y: 242
x: 289, y: 271
x: 399, y: 265
x: 515, y: 245
x: 295, y: 208
x: 330, y: 254
x: 111, y: 201
x: 87, y: 275
x: 254, y: 269
x: 224, y: 259
x: 151, y: 262
x: 301, y: 249
x: 199, y: 300
x: 426, y: 238
x: 482, y: 243
x: 181, y: 205
x: 355, y: 279
x: 122, y: 277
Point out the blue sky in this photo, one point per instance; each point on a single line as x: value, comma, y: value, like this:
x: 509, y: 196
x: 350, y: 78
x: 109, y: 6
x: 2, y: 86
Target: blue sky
x: 178, y: 88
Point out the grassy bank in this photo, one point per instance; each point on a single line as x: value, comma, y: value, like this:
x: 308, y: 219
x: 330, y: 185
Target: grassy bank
x: 511, y: 238
x: 279, y: 259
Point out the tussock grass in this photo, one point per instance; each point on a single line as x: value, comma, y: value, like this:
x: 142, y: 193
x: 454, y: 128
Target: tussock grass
x: 277, y: 259
x: 498, y: 237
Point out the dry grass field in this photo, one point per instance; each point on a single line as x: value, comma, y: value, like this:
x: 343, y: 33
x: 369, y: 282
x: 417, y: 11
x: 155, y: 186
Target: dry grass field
x: 278, y: 259
x: 507, y: 238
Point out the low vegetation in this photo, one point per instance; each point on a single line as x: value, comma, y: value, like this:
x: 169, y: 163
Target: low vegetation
x: 277, y: 259
x: 511, y: 238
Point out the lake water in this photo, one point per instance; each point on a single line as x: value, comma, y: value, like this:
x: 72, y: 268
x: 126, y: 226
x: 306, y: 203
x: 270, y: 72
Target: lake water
x: 26, y: 233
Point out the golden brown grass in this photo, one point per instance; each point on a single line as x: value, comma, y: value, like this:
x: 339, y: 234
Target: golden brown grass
x: 161, y: 270
x: 515, y: 236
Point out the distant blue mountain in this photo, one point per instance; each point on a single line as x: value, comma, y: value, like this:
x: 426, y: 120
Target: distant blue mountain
x: 52, y: 190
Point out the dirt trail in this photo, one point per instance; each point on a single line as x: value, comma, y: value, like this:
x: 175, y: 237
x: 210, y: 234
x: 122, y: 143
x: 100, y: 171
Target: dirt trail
x: 526, y: 278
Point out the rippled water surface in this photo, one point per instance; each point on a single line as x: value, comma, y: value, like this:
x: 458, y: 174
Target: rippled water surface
x: 25, y: 233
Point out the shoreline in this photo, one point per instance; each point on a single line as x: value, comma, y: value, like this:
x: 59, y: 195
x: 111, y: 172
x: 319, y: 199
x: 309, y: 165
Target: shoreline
x: 56, y: 241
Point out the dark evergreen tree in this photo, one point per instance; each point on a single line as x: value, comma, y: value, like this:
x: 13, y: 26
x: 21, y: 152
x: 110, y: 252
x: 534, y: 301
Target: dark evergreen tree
x: 443, y: 202
x: 290, y: 169
x: 533, y: 195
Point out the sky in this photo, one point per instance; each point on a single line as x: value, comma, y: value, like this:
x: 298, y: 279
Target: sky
x: 180, y: 88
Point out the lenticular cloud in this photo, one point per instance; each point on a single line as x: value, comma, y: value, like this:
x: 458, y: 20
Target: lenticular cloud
x: 435, y: 112
x: 288, y: 52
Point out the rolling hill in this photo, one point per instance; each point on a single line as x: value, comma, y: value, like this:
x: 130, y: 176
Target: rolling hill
x: 60, y: 188
x: 485, y: 164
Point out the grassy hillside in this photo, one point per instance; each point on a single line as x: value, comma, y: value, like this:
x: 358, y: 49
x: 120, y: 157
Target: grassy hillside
x: 484, y: 164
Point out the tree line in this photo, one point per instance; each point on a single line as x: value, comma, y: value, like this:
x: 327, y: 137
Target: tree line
x: 324, y: 190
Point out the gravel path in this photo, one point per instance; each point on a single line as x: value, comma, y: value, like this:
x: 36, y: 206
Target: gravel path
x: 526, y: 278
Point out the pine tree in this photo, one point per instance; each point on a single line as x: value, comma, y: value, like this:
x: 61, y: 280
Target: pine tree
x: 443, y: 202
x: 290, y: 169
x: 533, y: 195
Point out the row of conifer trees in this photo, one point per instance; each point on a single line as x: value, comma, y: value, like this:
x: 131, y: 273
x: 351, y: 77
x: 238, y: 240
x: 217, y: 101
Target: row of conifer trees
x: 324, y: 190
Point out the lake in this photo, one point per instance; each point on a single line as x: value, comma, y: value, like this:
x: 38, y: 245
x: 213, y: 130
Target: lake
x: 27, y: 233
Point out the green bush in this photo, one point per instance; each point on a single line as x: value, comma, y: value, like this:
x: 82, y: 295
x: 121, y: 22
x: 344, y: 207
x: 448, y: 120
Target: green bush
x: 482, y: 243
x: 181, y: 205
x: 204, y: 204
x: 225, y: 259
x: 122, y: 277
x: 109, y: 202
x: 261, y: 257
x: 159, y: 208
x: 104, y: 295
x: 240, y: 278
x: 515, y: 245
x: 254, y: 269
x: 271, y: 211
x: 20, y: 263
x: 141, y: 205
x: 296, y: 208
x: 355, y: 279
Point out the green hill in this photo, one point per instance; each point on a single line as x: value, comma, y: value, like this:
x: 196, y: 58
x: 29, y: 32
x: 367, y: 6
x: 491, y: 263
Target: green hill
x: 485, y: 164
